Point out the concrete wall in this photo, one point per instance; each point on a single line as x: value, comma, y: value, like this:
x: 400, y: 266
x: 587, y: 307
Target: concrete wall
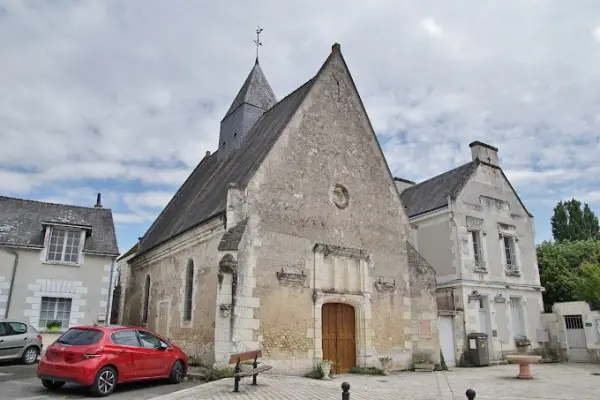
x: 434, y: 234
x: 487, y: 197
x: 166, y: 267
x: 554, y: 325
x: 86, y: 284
x: 500, y: 331
x: 292, y: 208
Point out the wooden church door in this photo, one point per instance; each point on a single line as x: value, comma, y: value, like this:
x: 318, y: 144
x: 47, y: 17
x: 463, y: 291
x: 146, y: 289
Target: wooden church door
x: 339, y: 336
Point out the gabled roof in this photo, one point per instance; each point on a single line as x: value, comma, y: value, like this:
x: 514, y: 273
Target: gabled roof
x: 22, y: 221
x: 433, y: 193
x: 255, y: 91
x: 203, y: 195
x: 129, y: 252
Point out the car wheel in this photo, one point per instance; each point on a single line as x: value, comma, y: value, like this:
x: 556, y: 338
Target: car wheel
x: 30, y: 355
x: 52, y: 385
x: 177, y: 372
x: 105, y: 382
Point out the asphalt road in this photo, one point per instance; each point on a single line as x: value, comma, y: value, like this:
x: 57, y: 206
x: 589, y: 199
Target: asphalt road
x: 18, y: 382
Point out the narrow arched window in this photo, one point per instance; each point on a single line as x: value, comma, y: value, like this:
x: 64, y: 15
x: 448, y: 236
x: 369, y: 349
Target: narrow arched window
x: 189, y: 291
x: 146, y: 300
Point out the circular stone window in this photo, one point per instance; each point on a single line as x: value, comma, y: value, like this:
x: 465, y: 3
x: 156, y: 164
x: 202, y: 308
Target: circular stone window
x: 341, y: 198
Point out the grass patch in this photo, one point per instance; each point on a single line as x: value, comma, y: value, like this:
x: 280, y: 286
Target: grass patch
x: 214, y: 374
x: 367, y: 371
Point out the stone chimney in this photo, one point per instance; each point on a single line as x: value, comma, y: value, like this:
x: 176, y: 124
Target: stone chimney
x: 485, y: 153
x: 99, y: 201
x: 403, y: 184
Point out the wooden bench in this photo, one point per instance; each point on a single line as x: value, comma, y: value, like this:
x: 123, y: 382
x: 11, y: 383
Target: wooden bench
x: 247, y: 356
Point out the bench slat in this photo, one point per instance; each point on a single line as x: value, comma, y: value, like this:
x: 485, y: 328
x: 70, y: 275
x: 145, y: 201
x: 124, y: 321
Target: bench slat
x: 254, y: 371
x: 246, y: 356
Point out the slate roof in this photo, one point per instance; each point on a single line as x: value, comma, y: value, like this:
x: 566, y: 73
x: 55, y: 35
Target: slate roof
x: 203, y: 195
x: 255, y: 91
x: 22, y: 221
x: 433, y: 193
x: 129, y: 252
x: 231, y: 239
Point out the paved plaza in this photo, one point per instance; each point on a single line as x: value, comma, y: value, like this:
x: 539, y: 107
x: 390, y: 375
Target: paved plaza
x: 552, y: 382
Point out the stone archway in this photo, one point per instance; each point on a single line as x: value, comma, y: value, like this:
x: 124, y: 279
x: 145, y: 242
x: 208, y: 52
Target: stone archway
x: 339, y: 335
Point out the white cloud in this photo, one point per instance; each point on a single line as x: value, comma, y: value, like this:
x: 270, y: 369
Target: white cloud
x: 431, y: 27
x: 133, y: 91
x: 151, y: 199
x: 596, y: 33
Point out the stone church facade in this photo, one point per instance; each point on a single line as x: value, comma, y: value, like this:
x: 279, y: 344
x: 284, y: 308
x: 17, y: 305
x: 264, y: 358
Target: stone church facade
x: 291, y: 238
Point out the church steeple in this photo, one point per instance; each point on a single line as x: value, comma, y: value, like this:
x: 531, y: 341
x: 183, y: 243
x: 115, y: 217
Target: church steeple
x: 254, y: 98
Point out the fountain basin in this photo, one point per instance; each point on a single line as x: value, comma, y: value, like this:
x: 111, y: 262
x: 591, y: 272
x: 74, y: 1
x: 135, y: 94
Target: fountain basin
x: 524, y: 362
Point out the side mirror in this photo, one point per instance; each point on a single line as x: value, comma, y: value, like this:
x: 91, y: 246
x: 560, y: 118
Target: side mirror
x: 162, y: 347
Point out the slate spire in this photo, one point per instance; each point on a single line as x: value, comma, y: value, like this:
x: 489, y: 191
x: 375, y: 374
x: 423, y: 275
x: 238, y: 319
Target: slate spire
x: 254, y: 98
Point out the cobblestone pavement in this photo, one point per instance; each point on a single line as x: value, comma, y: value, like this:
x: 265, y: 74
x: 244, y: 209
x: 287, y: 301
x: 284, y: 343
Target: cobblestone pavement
x: 552, y: 382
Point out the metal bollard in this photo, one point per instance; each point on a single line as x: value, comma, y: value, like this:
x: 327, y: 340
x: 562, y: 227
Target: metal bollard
x: 345, y: 391
x: 470, y: 394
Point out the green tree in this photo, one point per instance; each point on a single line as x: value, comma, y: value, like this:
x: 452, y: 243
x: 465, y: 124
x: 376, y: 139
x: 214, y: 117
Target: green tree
x: 590, y: 223
x: 571, y: 222
x: 559, y: 263
x: 586, y: 285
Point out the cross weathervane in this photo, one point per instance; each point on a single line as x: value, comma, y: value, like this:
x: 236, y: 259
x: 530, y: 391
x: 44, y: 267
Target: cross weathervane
x: 257, y: 41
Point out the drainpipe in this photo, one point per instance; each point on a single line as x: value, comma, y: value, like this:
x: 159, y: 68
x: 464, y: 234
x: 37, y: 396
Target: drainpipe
x: 12, y: 279
x: 109, y: 300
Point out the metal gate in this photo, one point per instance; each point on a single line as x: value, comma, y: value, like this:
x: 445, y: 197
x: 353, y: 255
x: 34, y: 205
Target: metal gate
x: 576, y: 339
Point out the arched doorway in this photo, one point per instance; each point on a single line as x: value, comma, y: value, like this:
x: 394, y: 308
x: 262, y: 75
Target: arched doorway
x: 339, y: 336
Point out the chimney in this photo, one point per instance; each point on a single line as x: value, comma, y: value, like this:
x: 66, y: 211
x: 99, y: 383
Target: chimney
x: 99, y: 201
x: 484, y: 153
x: 207, y: 154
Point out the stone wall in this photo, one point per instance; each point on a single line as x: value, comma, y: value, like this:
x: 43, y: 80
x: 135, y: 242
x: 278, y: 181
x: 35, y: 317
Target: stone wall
x: 424, y: 316
x: 166, y: 267
x: 324, y: 205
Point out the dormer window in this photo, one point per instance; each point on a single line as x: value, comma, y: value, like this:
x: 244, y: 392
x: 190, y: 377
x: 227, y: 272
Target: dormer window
x: 65, y: 245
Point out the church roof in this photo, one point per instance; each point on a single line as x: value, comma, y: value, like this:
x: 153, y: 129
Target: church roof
x: 433, y: 193
x: 22, y: 223
x: 255, y: 91
x: 203, y: 196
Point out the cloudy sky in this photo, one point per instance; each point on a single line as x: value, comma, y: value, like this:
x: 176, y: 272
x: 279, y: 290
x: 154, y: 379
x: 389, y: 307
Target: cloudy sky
x: 125, y: 97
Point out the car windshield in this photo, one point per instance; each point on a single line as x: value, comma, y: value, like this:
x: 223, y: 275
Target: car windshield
x: 80, y: 337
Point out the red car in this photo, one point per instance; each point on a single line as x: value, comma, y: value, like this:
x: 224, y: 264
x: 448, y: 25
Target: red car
x: 101, y: 357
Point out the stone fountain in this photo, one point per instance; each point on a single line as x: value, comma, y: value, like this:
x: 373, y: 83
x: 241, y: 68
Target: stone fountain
x: 524, y: 362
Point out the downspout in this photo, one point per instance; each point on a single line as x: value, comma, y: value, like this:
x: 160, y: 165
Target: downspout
x: 12, y: 279
x: 110, y: 294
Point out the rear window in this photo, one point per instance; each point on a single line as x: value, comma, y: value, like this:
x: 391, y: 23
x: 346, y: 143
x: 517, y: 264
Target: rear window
x: 80, y: 337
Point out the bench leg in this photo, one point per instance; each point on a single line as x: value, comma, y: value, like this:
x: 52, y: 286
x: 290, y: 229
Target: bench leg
x: 254, y: 365
x: 236, y: 385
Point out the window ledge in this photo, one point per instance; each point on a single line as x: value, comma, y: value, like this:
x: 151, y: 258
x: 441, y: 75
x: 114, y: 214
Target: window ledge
x: 480, y: 270
x: 63, y: 263
x: 513, y: 271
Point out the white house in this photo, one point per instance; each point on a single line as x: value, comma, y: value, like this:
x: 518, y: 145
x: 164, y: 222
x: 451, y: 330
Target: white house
x: 56, y: 262
x: 471, y: 226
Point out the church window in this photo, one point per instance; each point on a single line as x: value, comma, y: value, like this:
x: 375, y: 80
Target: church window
x: 189, y: 291
x: 146, y: 300
x: 341, y: 198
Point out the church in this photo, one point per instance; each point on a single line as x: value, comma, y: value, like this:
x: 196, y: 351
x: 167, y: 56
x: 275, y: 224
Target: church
x: 290, y: 238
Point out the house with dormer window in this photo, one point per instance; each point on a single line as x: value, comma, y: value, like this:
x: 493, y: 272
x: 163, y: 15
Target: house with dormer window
x: 56, y: 262
x: 471, y: 226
